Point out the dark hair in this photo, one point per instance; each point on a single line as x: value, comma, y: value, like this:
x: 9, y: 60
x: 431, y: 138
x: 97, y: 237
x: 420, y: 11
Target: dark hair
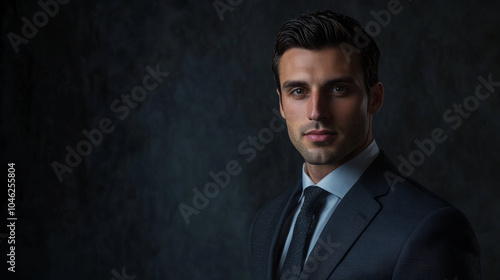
x: 320, y: 29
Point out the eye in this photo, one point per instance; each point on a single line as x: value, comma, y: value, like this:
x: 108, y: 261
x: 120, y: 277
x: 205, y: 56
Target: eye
x: 298, y: 91
x: 339, y: 89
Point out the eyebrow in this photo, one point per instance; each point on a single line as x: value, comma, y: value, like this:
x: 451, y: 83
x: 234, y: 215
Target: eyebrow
x: 292, y: 84
x: 330, y: 82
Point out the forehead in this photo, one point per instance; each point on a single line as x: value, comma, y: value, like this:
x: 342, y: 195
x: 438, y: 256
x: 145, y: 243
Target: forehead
x: 325, y: 63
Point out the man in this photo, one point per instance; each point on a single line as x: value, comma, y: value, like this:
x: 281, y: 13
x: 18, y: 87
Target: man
x: 351, y: 216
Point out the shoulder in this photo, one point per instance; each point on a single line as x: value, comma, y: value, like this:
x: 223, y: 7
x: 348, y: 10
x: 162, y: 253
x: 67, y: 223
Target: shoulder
x: 441, y: 244
x: 411, y: 208
x: 435, y: 238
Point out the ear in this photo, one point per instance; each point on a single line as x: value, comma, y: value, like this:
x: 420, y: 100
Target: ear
x: 280, y: 101
x: 376, y: 98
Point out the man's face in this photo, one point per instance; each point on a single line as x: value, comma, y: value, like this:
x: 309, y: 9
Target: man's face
x: 325, y: 104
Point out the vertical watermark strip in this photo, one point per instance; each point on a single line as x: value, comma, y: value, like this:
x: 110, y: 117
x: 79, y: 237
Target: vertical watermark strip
x: 11, y: 218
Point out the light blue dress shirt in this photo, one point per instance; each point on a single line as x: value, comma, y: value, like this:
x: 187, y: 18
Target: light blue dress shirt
x: 337, y: 183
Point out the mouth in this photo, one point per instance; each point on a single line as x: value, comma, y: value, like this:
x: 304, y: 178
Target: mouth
x: 320, y: 135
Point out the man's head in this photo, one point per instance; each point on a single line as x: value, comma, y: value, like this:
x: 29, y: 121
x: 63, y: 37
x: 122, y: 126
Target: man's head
x: 325, y: 28
x: 328, y: 92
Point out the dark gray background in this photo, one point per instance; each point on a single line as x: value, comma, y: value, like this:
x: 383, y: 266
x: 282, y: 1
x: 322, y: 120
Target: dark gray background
x: 119, y: 207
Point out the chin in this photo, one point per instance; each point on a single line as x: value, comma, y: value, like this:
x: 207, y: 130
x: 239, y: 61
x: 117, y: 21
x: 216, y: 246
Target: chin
x: 321, y: 156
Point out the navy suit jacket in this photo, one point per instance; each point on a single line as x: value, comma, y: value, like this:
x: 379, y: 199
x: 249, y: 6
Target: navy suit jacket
x: 385, y: 227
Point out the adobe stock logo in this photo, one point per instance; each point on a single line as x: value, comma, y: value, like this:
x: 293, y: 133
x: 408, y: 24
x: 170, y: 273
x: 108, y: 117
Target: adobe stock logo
x: 323, y: 250
x: 382, y: 18
x: 39, y: 20
x: 121, y: 107
x: 222, y: 6
x: 426, y: 147
x: 122, y: 276
x: 221, y: 179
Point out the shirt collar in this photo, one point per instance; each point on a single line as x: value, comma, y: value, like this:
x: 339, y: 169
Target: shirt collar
x: 340, y: 180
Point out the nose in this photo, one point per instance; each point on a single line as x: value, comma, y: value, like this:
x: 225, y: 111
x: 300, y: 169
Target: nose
x: 317, y: 107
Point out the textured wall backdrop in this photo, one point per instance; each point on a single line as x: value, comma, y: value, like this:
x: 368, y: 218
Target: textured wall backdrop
x: 163, y: 98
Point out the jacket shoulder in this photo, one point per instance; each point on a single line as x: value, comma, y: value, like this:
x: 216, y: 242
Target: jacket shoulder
x: 272, y: 209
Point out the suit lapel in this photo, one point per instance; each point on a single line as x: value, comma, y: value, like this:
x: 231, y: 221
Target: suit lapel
x: 353, y: 214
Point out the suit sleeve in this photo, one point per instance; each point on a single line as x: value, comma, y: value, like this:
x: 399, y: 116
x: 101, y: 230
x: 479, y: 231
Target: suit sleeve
x: 442, y: 246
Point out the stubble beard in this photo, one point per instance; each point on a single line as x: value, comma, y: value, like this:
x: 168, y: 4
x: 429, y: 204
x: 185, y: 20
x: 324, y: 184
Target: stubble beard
x: 320, y: 153
x: 333, y: 152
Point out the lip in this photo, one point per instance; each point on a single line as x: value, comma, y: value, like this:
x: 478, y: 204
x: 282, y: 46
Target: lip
x: 320, y: 135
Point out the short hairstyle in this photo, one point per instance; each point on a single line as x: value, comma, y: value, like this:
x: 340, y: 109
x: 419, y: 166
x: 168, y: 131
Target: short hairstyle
x: 320, y: 29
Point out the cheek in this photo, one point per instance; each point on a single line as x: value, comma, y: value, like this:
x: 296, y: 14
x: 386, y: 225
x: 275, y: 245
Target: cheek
x: 353, y: 115
x: 294, y: 115
x: 293, y: 128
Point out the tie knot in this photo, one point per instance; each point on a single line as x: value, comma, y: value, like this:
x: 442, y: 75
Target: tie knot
x: 313, y: 195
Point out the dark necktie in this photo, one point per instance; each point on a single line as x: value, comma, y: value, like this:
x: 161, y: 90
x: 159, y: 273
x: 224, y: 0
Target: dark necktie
x: 304, y: 226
